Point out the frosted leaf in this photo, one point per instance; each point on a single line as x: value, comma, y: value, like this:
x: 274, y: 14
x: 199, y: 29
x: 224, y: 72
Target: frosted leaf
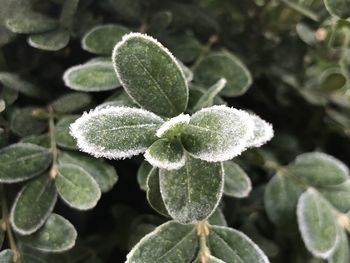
x: 237, y: 182
x: 218, y: 133
x: 173, y: 127
x: 50, y: 41
x: 116, y: 132
x: 263, y: 132
x: 342, y: 252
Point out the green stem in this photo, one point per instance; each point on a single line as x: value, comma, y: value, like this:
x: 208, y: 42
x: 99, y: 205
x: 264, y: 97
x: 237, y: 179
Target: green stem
x: 53, y: 146
x: 213, y: 39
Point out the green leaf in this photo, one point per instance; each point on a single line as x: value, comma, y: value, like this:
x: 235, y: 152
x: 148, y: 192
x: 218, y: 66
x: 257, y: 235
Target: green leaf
x: 338, y: 196
x: 341, y: 253
x: 6, y: 256
x: 237, y: 182
x: 306, y: 33
x: 170, y: 242
x: 50, y: 41
x: 160, y: 21
x: 210, y: 259
x: 101, y: 39
x: 166, y: 154
x: 193, y: 192
x: 217, y: 133
x: 27, y: 218
x: 154, y: 196
x: 338, y: 8
x: 142, y: 174
x: 63, y: 137
x: 91, y: 77
x: 57, y: 235
x: 71, y: 102
x: 218, y: 65
x: 150, y: 75
x: 317, y: 224
x: 24, y: 123
x: 196, y: 92
x: 41, y: 140
x: 2, y: 105
x: 173, y: 126
x: 233, y: 246
x: 263, y: 132
x: 22, y: 161
x: 76, y: 187
x: 116, y: 132
x: 103, y: 173
x: 217, y: 218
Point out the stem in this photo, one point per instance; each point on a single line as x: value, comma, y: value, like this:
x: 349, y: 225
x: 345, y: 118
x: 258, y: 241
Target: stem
x: 212, y: 39
x: 301, y: 10
x: 6, y: 226
x: 53, y: 147
x: 203, y: 232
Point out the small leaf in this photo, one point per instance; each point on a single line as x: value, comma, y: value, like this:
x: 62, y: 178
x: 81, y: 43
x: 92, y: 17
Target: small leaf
x: 2, y: 105
x: 103, y: 173
x: 317, y: 224
x: 166, y: 154
x: 57, y: 235
x: 24, y: 123
x: 76, y: 187
x: 142, y: 174
x: 91, y: 77
x: 41, y: 140
x: 150, y: 75
x: 218, y: 65
x: 196, y: 92
x: 170, y: 242
x: 50, y: 41
x: 217, y: 218
x: 217, y: 133
x: 338, y: 8
x: 101, y: 39
x: 154, y: 196
x: 6, y: 256
x: 237, y: 183
x: 173, y: 126
x: 22, y: 161
x: 231, y: 245
x: 341, y: 253
x: 71, y: 102
x: 263, y: 132
x: 193, y: 192
x: 116, y: 132
x: 63, y: 137
x: 27, y: 218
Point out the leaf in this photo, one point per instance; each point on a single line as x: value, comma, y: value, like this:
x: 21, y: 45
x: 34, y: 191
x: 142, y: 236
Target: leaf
x: 142, y: 174
x: 210, y: 259
x: 57, y: 235
x: 6, y: 256
x: 63, y: 137
x: 27, y: 218
x: 217, y: 218
x: 154, y: 196
x: 76, y: 187
x: 71, y: 102
x: 22, y: 161
x: 91, y: 77
x: 193, y: 192
x: 338, y: 196
x: 24, y: 123
x: 237, y: 183
x: 317, y: 224
x: 116, y: 132
x: 338, y: 8
x: 196, y: 92
x: 217, y: 133
x: 218, y: 65
x: 166, y: 154
x: 170, y: 242
x: 341, y: 253
x: 41, y: 140
x: 103, y: 173
x: 50, y: 41
x: 2, y: 105
x: 173, y: 126
x: 101, y: 39
x: 263, y: 132
x: 150, y: 75
x: 233, y: 246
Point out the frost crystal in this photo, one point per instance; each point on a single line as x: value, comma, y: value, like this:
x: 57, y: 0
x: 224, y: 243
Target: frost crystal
x: 173, y: 126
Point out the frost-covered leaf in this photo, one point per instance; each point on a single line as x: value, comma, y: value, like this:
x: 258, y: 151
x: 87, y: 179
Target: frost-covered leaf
x: 193, y: 192
x: 341, y: 253
x: 142, y: 174
x: 91, y: 77
x: 170, y: 242
x: 27, y: 218
x: 76, y: 187
x: 338, y: 196
x: 57, y: 235
x: 173, y: 126
x: 50, y: 41
x: 103, y: 173
x: 101, y: 39
x: 154, y: 196
x: 63, y: 137
x: 237, y: 182
x: 218, y: 65
x: 263, y: 132
x: 6, y: 256
x: 24, y: 123
x: 317, y: 224
x: 233, y: 246
x: 338, y: 8
x: 217, y: 133
x: 150, y: 75
x: 217, y: 218
x: 116, y: 132
x: 166, y: 154
x: 71, y: 102
x: 22, y: 161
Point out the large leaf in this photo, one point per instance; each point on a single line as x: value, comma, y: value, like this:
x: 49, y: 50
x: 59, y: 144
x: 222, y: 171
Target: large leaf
x: 338, y: 8
x: 22, y: 161
x: 154, y: 196
x: 116, y: 132
x: 192, y: 192
x: 26, y: 218
x: 233, y: 246
x: 217, y: 133
x: 76, y: 187
x: 170, y: 242
x: 317, y: 224
x: 50, y: 41
x: 150, y: 75
x: 237, y: 183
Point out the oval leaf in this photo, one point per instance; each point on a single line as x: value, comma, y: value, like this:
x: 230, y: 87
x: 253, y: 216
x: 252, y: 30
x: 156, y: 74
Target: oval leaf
x: 237, y: 183
x: 24, y: 123
x: 154, y: 196
x: 71, y: 102
x: 50, y: 41
x: 142, y: 174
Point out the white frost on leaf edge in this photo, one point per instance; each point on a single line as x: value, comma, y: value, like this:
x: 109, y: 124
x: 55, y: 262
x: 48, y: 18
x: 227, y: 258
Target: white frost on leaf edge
x: 165, y: 164
x: 77, y: 131
x: 180, y: 119
x: 304, y: 229
x: 263, y: 132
